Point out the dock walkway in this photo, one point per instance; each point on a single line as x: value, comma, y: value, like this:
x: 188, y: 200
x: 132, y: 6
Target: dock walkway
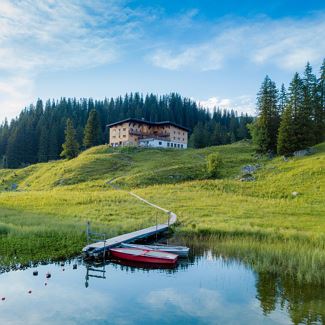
x: 104, y: 245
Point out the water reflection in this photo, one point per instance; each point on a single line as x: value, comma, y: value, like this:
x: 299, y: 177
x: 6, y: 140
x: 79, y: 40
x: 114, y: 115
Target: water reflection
x: 95, y: 271
x: 204, y: 288
x: 304, y: 303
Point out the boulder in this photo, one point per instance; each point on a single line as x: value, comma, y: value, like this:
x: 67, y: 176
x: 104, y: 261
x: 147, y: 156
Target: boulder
x: 247, y: 178
x: 249, y: 169
x: 304, y: 152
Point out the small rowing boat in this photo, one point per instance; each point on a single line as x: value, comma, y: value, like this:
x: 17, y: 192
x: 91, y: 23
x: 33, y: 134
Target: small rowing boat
x: 143, y: 255
x: 178, y: 250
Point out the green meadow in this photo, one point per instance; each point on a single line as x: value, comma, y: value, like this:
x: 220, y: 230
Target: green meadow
x: 44, y: 207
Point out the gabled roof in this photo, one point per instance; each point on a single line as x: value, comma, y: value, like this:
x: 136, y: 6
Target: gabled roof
x: 136, y: 120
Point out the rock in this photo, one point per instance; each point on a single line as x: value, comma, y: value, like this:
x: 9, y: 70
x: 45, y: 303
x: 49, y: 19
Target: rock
x: 295, y: 193
x: 304, y: 152
x: 249, y: 169
x: 247, y: 178
x: 14, y: 187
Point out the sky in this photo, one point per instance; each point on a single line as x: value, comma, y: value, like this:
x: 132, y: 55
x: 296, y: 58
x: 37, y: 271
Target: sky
x: 215, y: 52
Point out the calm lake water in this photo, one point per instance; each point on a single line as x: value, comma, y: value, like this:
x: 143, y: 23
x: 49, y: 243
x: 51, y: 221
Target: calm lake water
x: 203, y: 289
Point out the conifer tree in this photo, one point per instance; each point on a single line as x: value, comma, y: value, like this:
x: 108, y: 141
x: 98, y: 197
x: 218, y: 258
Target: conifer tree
x: 70, y: 146
x: 286, y: 139
x: 282, y: 99
x: 265, y: 129
x: 92, y: 130
x: 319, y: 119
x: 296, y: 102
x: 306, y: 113
x: 43, y: 149
x: 54, y: 149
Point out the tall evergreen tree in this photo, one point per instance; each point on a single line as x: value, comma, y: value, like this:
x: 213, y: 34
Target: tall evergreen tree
x: 265, y: 129
x: 306, y: 113
x: 319, y: 119
x: 43, y: 149
x: 282, y: 99
x: 70, y: 146
x: 286, y: 139
x: 296, y: 102
x: 92, y: 130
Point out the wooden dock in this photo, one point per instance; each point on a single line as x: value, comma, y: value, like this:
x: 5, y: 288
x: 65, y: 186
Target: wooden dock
x: 100, y: 247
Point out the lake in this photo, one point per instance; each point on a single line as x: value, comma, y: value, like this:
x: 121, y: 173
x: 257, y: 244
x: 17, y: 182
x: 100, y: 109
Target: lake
x: 203, y: 289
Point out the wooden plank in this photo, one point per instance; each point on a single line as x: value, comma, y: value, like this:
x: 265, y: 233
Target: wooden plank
x: 115, y: 241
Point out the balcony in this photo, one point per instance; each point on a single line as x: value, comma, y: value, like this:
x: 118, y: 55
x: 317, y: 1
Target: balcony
x: 141, y: 135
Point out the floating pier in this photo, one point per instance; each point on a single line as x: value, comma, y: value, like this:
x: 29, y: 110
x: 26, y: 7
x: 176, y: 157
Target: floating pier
x: 100, y: 247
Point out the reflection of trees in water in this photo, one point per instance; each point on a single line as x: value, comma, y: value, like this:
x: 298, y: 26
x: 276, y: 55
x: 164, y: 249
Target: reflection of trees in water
x: 304, y: 303
x: 267, y: 291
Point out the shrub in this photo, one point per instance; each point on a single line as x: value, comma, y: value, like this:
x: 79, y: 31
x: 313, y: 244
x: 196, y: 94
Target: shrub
x: 214, y: 162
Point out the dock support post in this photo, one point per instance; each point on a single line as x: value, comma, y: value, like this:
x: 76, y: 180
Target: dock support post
x: 88, y: 232
x: 104, y: 249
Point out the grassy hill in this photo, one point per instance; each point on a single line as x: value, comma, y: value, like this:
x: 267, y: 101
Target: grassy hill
x: 247, y: 219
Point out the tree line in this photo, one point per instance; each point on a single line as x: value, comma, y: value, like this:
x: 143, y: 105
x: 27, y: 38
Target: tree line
x: 39, y: 132
x: 290, y: 120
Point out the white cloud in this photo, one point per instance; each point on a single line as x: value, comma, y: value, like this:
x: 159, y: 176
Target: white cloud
x: 39, y: 35
x: 241, y: 104
x: 15, y: 94
x: 200, y: 57
x: 205, y: 303
x: 286, y: 43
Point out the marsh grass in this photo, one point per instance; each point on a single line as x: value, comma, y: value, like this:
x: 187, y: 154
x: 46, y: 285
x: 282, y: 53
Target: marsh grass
x: 296, y: 259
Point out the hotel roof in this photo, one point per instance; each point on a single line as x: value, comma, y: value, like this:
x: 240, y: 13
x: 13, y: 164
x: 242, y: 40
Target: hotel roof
x: 149, y: 123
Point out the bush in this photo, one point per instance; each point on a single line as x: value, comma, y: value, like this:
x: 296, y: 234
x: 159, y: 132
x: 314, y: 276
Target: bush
x: 214, y: 162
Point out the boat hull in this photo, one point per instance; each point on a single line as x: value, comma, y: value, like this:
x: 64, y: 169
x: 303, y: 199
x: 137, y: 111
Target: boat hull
x: 178, y: 250
x: 146, y: 256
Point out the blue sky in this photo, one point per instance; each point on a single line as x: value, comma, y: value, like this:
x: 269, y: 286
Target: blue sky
x: 216, y: 52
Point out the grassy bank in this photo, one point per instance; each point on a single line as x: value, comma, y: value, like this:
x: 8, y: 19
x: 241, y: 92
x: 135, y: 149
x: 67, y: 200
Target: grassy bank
x: 261, y: 222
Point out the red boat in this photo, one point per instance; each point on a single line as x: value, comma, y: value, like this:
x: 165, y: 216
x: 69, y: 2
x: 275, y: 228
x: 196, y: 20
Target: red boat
x: 143, y: 255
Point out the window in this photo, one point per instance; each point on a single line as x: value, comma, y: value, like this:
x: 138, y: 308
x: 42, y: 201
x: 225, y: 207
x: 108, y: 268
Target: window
x: 124, y: 129
x: 124, y: 136
x: 160, y: 143
x: 168, y: 144
x: 113, y: 136
x: 182, y: 146
x: 178, y: 145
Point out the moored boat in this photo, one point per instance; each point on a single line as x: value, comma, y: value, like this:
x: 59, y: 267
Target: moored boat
x: 144, y: 255
x: 178, y: 250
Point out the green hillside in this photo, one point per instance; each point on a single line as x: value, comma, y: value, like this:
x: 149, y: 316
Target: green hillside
x: 44, y: 207
x: 132, y: 166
